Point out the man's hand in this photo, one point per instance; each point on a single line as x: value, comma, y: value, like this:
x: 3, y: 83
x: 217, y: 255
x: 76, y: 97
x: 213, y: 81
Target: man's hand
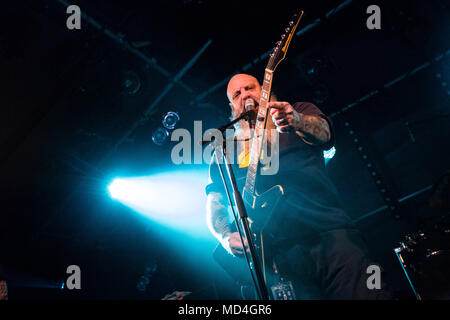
x: 234, y: 244
x: 285, y: 118
x: 313, y: 129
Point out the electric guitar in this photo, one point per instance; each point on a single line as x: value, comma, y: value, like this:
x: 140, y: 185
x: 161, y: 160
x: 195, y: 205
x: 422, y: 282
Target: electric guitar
x: 260, y: 207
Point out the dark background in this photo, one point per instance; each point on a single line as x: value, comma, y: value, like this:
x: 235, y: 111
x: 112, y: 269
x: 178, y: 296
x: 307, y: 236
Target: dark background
x: 65, y: 108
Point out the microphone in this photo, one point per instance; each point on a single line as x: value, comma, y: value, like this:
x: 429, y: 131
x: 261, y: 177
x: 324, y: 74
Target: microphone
x: 249, y: 107
x: 250, y: 114
x: 249, y: 104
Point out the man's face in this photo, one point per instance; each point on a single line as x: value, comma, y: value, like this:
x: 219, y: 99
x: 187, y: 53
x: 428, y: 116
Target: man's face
x: 240, y: 88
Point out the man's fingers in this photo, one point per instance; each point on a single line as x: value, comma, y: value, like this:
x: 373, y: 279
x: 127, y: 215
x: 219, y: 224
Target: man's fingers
x: 277, y: 105
x: 239, y: 252
x: 275, y: 109
x: 282, y: 122
x: 239, y: 243
x: 279, y: 115
x: 273, y: 112
x: 235, y: 242
x: 284, y: 129
x: 236, y: 245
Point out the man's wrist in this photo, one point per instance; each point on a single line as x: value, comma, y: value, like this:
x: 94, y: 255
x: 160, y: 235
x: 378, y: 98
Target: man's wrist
x: 225, y: 242
x: 298, y: 119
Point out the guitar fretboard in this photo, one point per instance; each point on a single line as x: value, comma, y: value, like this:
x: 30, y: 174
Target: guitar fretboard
x: 259, y: 133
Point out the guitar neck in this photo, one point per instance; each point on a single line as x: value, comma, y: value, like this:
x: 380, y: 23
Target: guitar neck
x: 259, y: 135
x: 277, y: 55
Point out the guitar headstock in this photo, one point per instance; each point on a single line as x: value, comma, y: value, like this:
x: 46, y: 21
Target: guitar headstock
x: 279, y: 52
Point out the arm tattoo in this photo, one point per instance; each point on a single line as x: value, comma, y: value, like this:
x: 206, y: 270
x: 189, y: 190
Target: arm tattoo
x: 217, y: 216
x: 315, y: 129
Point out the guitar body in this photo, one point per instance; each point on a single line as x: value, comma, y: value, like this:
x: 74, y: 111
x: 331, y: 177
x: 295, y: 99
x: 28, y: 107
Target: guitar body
x: 260, y: 212
x: 260, y: 208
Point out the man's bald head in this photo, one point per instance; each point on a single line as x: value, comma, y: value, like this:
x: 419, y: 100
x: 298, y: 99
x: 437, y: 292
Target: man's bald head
x: 241, y: 87
x: 237, y: 82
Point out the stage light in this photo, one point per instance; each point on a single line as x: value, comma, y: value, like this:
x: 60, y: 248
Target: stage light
x: 160, y: 136
x: 131, y: 83
x: 170, y: 120
x: 121, y: 189
x: 175, y: 199
x: 329, y: 154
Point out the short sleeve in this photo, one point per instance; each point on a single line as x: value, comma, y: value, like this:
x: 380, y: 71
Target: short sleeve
x: 310, y: 109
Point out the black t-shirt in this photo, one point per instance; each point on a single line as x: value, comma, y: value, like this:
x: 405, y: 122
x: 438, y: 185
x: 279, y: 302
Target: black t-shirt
x: 310, y: 204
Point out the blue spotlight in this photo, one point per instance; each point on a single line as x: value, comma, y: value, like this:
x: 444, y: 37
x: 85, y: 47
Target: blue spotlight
x: 117, y: 188
x: 176, y: 199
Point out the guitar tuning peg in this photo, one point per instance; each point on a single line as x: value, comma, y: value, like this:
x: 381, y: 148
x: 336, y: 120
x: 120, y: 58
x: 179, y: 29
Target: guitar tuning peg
x: 283, y: 36
x: 291, y: 23
x: 287, y: 29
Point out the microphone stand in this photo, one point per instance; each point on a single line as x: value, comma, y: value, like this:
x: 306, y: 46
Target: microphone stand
x: 254, y: 264
x: 246, y: 115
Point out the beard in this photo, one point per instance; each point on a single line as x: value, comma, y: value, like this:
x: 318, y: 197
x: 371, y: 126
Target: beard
x: 242, y: 128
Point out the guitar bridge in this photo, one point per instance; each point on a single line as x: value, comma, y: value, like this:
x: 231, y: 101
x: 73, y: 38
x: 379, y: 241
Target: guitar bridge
x: 283, y: 291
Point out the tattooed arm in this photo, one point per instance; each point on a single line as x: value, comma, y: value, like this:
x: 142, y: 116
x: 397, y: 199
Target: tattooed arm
x: 220, y: 226
x: 217, y: 217
x: 313, y: 129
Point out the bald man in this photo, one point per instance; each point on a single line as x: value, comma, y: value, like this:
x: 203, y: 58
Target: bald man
x: 314, y: 242
x: 284, y: 117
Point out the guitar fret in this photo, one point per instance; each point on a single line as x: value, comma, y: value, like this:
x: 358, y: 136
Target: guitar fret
x: 259, y: 135
x: 255, y: 152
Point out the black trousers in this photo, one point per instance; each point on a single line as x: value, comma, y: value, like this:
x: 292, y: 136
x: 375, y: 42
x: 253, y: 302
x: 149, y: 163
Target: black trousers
x: 332, y: 266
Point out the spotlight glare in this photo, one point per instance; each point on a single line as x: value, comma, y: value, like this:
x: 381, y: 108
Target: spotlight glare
x: 118, y: 189
x: 175, y: 199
